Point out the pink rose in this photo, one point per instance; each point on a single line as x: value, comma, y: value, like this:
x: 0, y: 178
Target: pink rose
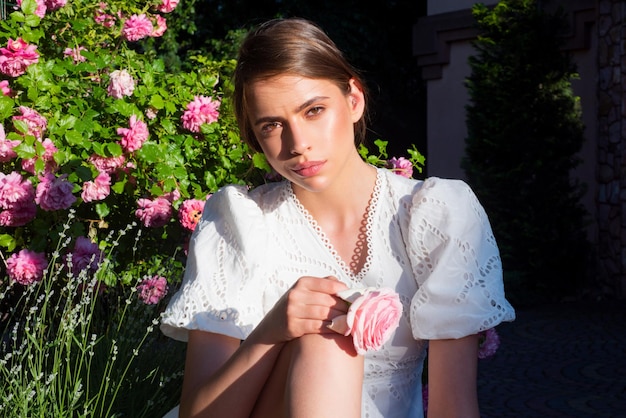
x: 488, y: 343
x: 6, y: 147
x: 167, y: 6
x: 154, y: 213
x: 17, y: 200
x: 104, y: 18
x: 401, y: 166
x: 121, y: 84
x: 152, y: 290
x: 108, y: 165
x: 98, y: 189
x: 50, y: 166
x: 86, y: 255
x: 36, y: 123
x: 54, y: 193
x: 41, y: 9
x: 137, y: 27
x: 134, y: 136
x: 55, y: 4
x: 190, y: 213
x: 75, y: 54
x: 17, y: 57
x: 161, y: 27
x: 200, y: 111
x: 26, y: 267
x: 372, y: 317
x: 5, y: 88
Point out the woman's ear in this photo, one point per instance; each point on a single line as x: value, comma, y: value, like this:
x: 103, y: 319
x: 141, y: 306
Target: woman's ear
x: 356, y: 99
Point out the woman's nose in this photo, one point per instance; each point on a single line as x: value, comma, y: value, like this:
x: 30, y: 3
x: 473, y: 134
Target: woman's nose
x: 299, y: 141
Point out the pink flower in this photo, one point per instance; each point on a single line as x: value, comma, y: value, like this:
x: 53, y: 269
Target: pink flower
x: 17, y: 199
x: 154, y: 213
x: 121, y: 84
x: 36, y: 123
x: 107, y: 165
x: 134, y: 136
x: 137, y: 27
x: 6, y: 90
x: 401, y: 166
x: 17, y: 57
x: 167, y: 6
x: 201, y: 110
x: 488, y: 344
x: 151, y: 113
x: 6, y: 147
x: 26, y: 267
x: 152, y: 290
x: 103, y: 18
x: 40, y: 10
x: 50, y: 166
x: 86, y: 255
x: 161, y: 27
x: 55, y: 4
x: 190, y: 213
x: 372, y: 317
x: 172, y: 196
x: 54, y: 193
x: 74, y: 53
x: 97, y: 189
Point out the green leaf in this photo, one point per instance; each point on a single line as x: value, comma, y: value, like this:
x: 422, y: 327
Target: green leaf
x: 149, y: 152
x: 259, y: 161
x: 24, y: 150
x: 6, y: 107
x: 114, y: 149
x: 74, y: 138
x: 102, y: 209
x: 8, y: 241
x: 156, y: 101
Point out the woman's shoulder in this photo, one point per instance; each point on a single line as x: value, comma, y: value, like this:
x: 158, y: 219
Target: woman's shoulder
x: 430, y: 187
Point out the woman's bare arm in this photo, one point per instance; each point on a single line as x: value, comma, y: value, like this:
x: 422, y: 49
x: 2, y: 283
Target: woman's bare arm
x: 452, y: 374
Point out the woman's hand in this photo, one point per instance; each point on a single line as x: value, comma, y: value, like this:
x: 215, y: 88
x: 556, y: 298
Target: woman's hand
x: 306, y: 308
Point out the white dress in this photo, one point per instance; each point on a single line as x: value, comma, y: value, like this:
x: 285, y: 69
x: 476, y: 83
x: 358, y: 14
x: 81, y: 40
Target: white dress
x: 429, y: 240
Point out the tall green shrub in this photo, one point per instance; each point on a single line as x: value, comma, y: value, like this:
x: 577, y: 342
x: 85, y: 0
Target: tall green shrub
x: 524, y: 132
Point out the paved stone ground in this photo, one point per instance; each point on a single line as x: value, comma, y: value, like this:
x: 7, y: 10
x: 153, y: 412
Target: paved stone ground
x: 564, y: 360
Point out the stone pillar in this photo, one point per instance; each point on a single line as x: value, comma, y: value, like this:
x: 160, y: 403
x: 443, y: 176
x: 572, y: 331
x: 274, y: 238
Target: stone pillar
x: 612, y: 144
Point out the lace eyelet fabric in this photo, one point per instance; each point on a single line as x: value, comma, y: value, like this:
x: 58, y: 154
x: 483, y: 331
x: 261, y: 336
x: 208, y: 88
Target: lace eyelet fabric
x: 430, y: 241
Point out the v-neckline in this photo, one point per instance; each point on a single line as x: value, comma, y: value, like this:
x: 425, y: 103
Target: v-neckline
x: 325, y: 241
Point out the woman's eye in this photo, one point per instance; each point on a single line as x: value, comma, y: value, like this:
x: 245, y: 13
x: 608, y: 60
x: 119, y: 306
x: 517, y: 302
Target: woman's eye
x: 269, y: 127
x: 314, y: 111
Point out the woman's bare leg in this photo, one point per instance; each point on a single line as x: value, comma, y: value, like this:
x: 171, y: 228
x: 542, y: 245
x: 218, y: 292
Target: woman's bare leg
x: 316, y: 376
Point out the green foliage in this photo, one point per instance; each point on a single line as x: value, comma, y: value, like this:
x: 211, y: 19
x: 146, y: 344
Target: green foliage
x: 524, y: 130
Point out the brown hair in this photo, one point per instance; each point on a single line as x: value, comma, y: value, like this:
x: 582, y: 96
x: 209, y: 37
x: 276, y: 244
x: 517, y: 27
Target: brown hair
x: 290, y: 46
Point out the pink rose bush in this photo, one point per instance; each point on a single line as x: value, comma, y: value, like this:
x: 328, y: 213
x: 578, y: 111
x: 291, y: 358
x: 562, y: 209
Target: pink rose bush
x: 372, y: 318
x: 134, y: 136
x: 401, y: 166
x: 151, y: 290
x: 54, y: 193
x: 98, y: 189
x: 17, y: 200
x: 200, y: 111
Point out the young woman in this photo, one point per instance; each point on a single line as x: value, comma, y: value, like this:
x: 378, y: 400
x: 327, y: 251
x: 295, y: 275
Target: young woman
x: 265, y: 265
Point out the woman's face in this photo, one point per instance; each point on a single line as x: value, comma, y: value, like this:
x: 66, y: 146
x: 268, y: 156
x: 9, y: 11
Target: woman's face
x: 305, y: 127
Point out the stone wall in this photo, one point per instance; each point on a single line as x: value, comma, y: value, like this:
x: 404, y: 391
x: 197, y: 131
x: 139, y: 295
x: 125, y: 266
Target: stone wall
x: 611, y: 32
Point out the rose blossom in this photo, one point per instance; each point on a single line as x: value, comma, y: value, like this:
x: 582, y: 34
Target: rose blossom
x: 50, y: 166
x: 167, y: 6
x: 201, y: 110
x: 17, y: 199
x: 26, y: 267
x: 152, y: 290
x: 86, y: 255
x: 54, y: 193
x: 137, y: 27
x: 36, y: 123
x: 401, y: 166
x: 190, y: 213
x: 6, y: 147
x: 372, y: 317
x: 55, y: 4
x: 161, y: 27
x: 17, y: 56
x: 103, y: 18
x: 97, y: 189
x: 107, y: 165
x: 75, y: 54
x: 489, y: 341
x: 121, y: 84
x: 134, y: 136
x: 154, y: 213
x: 5, y: 89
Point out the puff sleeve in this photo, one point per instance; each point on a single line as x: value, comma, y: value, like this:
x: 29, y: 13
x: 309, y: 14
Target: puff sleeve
x: 225, y: 265
x: 456, y: 263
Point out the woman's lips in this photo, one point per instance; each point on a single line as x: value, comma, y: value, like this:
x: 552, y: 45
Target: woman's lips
x: 308, y: 169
